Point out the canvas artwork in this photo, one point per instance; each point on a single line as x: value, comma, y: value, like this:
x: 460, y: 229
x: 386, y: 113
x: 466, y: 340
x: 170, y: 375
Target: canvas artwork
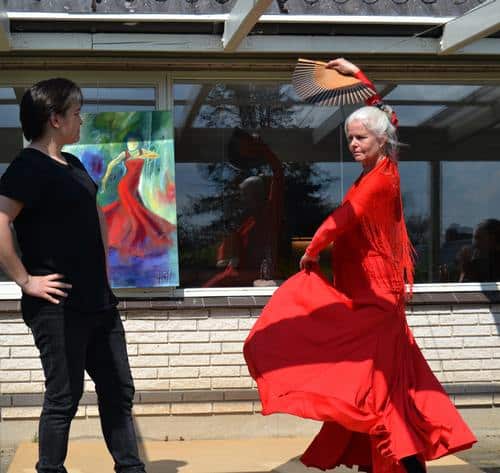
x: 130, y: 155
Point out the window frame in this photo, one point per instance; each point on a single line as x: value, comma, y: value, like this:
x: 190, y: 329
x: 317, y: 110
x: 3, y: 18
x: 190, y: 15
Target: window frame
x: 163, y: 81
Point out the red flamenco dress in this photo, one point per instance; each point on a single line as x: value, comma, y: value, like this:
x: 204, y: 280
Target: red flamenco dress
x: 344, y: 354
x: 133, y: 229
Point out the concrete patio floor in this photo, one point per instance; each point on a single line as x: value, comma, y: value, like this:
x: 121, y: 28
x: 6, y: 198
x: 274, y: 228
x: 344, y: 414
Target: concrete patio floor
x: 263, y: 455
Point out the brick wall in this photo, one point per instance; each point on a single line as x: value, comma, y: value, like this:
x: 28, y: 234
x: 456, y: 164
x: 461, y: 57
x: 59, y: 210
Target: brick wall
x: 189, y: 360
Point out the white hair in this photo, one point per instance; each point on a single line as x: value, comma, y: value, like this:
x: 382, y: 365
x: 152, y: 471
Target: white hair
x: 377, y: 122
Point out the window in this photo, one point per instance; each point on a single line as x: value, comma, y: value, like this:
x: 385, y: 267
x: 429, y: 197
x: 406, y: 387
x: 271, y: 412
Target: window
x: 258, y: 170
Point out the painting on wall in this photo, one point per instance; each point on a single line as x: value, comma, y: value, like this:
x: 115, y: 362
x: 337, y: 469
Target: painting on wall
x: 130, y: 155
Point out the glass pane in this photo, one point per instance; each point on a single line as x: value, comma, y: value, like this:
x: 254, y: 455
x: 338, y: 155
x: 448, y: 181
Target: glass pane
x: 235, y: 139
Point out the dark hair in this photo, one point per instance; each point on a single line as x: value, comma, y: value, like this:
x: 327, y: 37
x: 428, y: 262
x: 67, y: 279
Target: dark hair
x: 133, y: 135
x: 43, y: 99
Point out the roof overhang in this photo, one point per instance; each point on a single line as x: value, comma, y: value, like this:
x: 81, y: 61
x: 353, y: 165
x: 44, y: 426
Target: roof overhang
x: 477, y: 23
x: 246, y: 30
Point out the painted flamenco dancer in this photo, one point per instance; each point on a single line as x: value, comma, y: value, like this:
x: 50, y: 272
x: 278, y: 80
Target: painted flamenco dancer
x: 133, y: 229
x: 343, y: 353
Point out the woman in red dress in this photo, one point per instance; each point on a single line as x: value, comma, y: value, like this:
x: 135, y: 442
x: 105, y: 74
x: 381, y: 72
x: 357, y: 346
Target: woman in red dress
x: 133, y: 229
x: 343, y: 353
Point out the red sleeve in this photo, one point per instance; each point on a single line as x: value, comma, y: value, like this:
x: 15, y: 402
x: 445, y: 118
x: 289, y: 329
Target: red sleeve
x: 375, y: 100
x: 349, y: 213
x: 340, y: 220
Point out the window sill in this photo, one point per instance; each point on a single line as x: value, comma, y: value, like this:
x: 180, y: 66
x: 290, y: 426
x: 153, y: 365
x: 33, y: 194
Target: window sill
x: 249, y: 297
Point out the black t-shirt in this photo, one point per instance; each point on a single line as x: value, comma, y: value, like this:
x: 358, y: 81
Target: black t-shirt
x: 58, y: 228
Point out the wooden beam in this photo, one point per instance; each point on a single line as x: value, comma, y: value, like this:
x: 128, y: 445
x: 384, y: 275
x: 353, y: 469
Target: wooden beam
x: 242, y: 19
x: 5, y: 42
x: 468, y: 28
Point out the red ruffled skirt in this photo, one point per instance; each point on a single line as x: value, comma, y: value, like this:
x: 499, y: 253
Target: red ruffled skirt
x: 353, y: 364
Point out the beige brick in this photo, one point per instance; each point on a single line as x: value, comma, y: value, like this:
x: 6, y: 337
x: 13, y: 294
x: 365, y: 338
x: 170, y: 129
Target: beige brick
x: 247, y: 323
x: 232, y: 407
x: 20, y: 364
x: 432, y: 331
x: 16, y: 340
x: 492, y: 341
x: 458, y: 319
x: 151, y: 409
x: 13, y: 328
x: 176, y: 325
x: 139, y: 326
x: 201, y: 348
x: 232, y: 347
x: 144, y: 373
x: 188, y: 336
x: 218, y: 371
x: 10, y: 318
x: 197, y: 383
x: 235, y: 359
x: 24, y: 352
x: 496, y: 399
x: 491, y: 364
x: 152, y: 384
x: 16, y: 388
x: 489, y: 318
x: 471, y: 330
x: 435, y: 365
x: 159, y: 349
x: 218, y: 383
x: 466, y: 376
x: 218, y: 324
x: 438, y: 354
x: 132, y: 350
x: 4, y: 352
x: 234, y: 336
x: 146, y: 337
x: 473, y: 400
x: 92, y: 411
x: 192, y: 408
x: 460, y: 365
x: 21, y: 413
x: 182, y: 372
x: 422, y: 320
x: 37, y: 375
x: 257, y: 406
x: 190, y: 360
x: 149, y: 360
x: 12, y: 376
x: 89, y: 387
x: 452, y: 342
x: 473, y: 353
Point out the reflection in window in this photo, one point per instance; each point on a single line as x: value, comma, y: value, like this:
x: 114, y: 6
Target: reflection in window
x: 240, y: 225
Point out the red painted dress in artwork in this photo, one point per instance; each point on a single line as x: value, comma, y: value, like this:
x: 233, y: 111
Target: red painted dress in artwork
x: 133, y: 229
x: 343, y: 353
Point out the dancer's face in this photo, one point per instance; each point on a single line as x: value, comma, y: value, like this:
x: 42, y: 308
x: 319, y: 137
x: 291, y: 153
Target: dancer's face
x: 132, y: 144
x: 365, y: 146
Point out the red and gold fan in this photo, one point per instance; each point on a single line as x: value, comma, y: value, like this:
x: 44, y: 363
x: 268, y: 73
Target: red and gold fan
x: 316, y: 84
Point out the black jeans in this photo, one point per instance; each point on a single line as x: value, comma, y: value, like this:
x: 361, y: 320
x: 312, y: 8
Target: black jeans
x: 71, y: 343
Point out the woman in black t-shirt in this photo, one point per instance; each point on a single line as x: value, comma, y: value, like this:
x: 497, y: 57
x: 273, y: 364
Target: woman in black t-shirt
x: 67, y: 301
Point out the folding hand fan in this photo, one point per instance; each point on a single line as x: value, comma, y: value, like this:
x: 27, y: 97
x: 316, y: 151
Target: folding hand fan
x: 316, y: 84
